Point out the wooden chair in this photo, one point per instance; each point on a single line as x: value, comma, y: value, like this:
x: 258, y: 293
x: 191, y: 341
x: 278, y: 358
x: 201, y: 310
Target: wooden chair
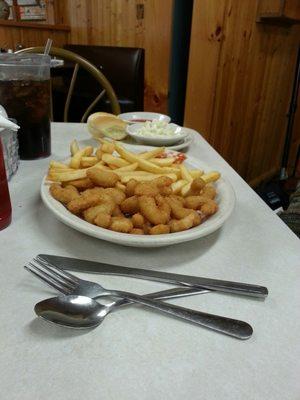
x: 91, y: 69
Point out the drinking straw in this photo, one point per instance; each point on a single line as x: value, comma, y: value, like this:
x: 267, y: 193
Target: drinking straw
x: 47, y: 47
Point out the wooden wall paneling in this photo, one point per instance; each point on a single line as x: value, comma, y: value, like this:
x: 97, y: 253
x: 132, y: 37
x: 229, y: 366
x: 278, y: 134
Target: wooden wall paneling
x: 269, y: 136
x: 207, y: 36
x: 115, y: 23
x: 157, y: 43
x: 254, y: 71
x: 235, y: 99
x: 10, y: 37
x: 270, y: 7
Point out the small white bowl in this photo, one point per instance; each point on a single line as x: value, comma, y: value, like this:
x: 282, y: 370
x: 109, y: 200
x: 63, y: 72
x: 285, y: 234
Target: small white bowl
x: 156, y: 140
x: 136, y: 116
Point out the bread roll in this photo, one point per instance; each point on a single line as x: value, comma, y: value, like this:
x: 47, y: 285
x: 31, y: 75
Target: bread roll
x: 103, y: 124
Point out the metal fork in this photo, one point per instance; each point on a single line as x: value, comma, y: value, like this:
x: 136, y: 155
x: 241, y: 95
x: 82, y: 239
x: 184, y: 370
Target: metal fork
x: 70, y: 284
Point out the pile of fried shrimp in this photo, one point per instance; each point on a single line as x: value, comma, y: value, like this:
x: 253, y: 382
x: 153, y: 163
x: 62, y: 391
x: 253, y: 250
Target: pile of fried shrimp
x: 148, y: 193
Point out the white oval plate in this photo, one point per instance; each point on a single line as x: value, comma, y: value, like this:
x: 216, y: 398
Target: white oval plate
x: 131, y: 116
x: 225, y: 200
x: 180, y: 134
x: 131, y: 144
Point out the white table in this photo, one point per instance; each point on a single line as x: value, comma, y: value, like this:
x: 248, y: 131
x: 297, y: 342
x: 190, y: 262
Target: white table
x: 138, y: 354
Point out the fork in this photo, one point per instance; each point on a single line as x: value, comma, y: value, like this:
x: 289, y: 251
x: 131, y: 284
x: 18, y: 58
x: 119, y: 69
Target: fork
x: 69, y: 284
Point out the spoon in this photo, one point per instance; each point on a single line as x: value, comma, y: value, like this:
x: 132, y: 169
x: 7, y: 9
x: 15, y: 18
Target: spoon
x: 82, y: 312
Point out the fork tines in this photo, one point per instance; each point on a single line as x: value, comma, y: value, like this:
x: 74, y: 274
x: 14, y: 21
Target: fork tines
x: 53, y: 276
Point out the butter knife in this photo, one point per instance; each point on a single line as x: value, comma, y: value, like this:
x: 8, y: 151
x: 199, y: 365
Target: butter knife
x: 75, y: 264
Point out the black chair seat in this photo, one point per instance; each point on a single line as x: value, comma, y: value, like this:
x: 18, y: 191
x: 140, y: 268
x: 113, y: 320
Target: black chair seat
x: 122, y: 66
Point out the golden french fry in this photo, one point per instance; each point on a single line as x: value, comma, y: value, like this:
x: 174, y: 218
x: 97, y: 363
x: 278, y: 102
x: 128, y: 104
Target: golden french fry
x: 211, y: 176
x: 74, y: 147
x: 112, y: 167
x: 101, y: 166
x: 185, y: 173
x: 58, y: 165
x: 76, y: 159
x: 99, y: 153
x: 67, y: 176
x: 143, y: 164
x: 177, y: 186
x: 130, y: 167
x: 51, y: 169
x: 116, y: 161
x: 195, y: 173
x: 108, y: 147
x: 171, y: 170
x: 152, y: 153
x: 185, y: 189
x: 163, y: 162
x: 131, y: 173
x: 88, y: 161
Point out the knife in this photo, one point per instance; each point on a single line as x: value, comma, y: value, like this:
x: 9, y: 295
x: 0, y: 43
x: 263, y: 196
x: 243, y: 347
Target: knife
x: 75, y: 264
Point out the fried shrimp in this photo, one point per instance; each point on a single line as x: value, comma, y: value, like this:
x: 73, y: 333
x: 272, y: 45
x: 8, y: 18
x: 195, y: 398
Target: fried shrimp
x: 146, y: 189
x: 103, y: 220
x: 117, y: 194
x: 130, y: 187
x: 138, y: 220
x: 209, y: 191
x: 91, y: 213
x: 182, y: 224
x: 117, y: 212
x: 106, y: 179
x: 197, y: 219
x: 90, y: 192
x: 130, y: 205
x: 155, y: 209
x: 121, y: 224
x: 64, y: 194
x: 81, y: 184
x: 195, y: 202
x: 146, y: 227
x: 159, y: 229
x: 82, y: 203
x: 137, y: 231
x: 177, y: 210
x: 209, y: 208
x: 178, y: 199
x: 196, y: 186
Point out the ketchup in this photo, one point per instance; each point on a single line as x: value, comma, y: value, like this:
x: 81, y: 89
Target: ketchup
x: 140, y: 120
x: 5, y: 205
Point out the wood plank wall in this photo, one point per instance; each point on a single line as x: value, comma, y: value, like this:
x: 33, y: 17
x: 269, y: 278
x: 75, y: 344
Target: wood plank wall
x: 10, y: 37
x: 239, y: 84
x: 116, y: 23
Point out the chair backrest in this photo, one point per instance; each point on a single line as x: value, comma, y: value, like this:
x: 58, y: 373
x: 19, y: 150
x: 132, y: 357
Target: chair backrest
x: 80, y: 61
x: 123, y: 66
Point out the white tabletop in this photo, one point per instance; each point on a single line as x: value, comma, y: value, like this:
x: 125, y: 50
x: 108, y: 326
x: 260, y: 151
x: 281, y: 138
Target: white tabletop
x: 140, y: 354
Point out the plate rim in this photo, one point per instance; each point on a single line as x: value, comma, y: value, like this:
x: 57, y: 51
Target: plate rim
x: 62, y: 214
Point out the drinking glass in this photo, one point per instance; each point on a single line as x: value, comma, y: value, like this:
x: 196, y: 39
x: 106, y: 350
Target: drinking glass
x: 25, y: 94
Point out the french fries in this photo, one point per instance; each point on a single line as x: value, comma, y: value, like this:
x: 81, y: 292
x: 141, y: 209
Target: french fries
x: 185, y: 173
x: 111, y: 156
x: 116, y: 161
x: 163, y: 162
x: 74, y: 147
x: 76, y: 159
x: 211, y: 176
x: 152, y: 153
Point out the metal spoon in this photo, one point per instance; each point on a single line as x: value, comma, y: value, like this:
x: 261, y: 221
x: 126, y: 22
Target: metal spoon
x: 82, y: 312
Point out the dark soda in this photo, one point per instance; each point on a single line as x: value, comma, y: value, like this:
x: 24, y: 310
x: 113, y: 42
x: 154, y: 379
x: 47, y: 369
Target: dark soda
x: 28, y: 101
